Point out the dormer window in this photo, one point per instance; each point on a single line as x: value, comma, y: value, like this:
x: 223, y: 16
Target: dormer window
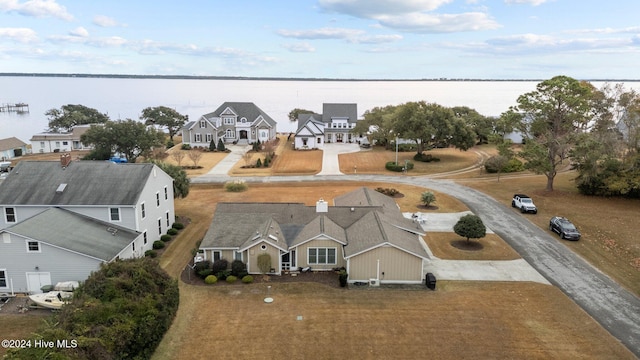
x: 228, y: 121
x: 203, y: 124
x: 243, y: 120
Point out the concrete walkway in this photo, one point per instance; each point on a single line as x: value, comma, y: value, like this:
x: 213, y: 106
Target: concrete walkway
x: 225, y: 165
x: 330, y: 152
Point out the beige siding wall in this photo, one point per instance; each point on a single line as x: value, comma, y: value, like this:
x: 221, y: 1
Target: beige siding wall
x: 255, y: 251
x: 398, y: 266
x: 303, y: 258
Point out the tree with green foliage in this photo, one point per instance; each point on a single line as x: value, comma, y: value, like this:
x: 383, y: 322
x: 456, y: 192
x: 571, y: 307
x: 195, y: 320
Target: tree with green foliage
x: 212, y: 145
x: 293, y: 114
x: 264, y: 263
x: 428, y: 198
x: 127, y: 137
x: 165, y: 117
x: 481, y: 125
x: 377, y: 125
x: 429, y: 124
x: 551, y: 118
x: 181, y: 182
x: 68, y: 116
x: 122, y: 311
x: 470, y: 226
x: 221, y: 146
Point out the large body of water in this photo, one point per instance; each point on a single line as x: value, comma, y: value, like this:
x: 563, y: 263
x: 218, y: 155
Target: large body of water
x: 123, y: 98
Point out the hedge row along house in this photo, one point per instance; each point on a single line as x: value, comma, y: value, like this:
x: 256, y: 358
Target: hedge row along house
x: 60, y: 220
x: 364, y: 232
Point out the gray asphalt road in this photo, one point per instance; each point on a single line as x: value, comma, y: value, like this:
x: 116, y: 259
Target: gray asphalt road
x: 615, y: 308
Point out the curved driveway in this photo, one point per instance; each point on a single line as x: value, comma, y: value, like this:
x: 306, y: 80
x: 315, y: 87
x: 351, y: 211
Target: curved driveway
x: 615, y: 308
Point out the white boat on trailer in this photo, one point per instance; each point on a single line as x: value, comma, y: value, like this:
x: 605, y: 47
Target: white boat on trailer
x: 60, y: 295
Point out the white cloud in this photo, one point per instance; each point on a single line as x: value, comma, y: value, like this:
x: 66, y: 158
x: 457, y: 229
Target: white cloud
x: 625, y: 30
x: 37, y: 8
x: 80, y: 32
x: 375, y: 39
x: 22, y: 35
x: 530, y: 2
x: 104, y: 21
x: 439, y: 23
x: 323, y: 33
x: 299, y: 47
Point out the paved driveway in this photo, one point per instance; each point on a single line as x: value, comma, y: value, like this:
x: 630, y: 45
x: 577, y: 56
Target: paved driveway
x: 615, y: 308
x: 330, y: 152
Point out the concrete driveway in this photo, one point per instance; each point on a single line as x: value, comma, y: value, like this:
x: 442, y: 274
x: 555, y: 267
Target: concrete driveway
x: 615, y: 308
x: 330, y: 152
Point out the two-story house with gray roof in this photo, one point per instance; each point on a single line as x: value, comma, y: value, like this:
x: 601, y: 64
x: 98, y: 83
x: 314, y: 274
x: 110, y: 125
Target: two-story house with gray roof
x: 334, y: 125
x: 130, y: 200
x: 363, y: 232
x: 241, y: 122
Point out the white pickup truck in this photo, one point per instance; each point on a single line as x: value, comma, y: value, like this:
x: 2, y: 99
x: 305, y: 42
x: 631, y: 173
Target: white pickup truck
x: 524, y: 203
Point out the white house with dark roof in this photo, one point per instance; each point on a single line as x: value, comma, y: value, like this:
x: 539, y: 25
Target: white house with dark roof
x: 134, y: 197
x: 241, y: 122
x: 60, y: 245
x: 48, y: 142
x: 12, y: 147
x: 334, y: 125
x: 363, y: 232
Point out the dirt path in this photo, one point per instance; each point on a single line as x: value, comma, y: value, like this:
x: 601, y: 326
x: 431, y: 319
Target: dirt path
x: 616, y: 309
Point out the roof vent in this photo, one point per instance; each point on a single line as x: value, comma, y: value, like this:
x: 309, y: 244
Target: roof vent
x: 61, y: 188
x: 113, y: 231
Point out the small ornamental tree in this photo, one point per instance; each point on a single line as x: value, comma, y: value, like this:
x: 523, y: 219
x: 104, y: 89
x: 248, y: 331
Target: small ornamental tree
x: 212, y: 145
x: 264, y: 263
x: 221, y: 146
x: 470, y: 226
x: 428, y: 198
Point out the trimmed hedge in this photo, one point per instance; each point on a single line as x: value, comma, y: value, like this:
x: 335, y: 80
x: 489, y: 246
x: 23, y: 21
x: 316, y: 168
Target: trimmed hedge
x: 422, y: 157
x: 178, y: 226
x: 247, y: 279
x: 231, y: 279
x: 151, y: 253
x: 165, y: 238
x: 210, y: 279
x: 158, y: 244
x: 392, y: 166
x: 172, y: 231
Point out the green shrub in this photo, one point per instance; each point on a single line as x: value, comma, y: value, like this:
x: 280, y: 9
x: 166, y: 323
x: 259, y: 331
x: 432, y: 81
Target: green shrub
x: 259, y: 163
x: 388, y: 191
x: 513, y: 165
x: 247, y: 279
x: 264, y: 262
x: 493, y: 164
x: 158, y: 244
x: 172, y: 231
x: 236, y: 186
x: 231, y: 279
x: 170, y: 144
x: 178, y: 226
x: 425, y: 157
x: 392, y: 166
x: 202, y: 265
x: 222, y: 275
x: 185, y: 147
x: 165, y: 238
x: 151, y: 253
x: 210, y: 279
x: 204, y: 273
x: 238, y: 268
x: 220, y: 265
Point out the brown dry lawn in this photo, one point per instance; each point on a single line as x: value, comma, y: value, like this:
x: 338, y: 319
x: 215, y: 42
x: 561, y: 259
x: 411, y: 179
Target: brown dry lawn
x: 492, y: 247
x: 373, y: 161
x: 497, y: 320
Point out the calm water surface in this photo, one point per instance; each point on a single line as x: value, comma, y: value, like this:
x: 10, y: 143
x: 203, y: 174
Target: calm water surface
x: 125, y: 98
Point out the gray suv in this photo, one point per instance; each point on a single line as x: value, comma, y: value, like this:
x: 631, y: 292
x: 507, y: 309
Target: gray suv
x: 564, y: 228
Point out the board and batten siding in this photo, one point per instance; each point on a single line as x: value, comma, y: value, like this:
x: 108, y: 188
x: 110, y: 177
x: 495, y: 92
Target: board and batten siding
x: 255, y: 251
x: 302, y: 253
x: 398, y: 266
x: 61, y: 264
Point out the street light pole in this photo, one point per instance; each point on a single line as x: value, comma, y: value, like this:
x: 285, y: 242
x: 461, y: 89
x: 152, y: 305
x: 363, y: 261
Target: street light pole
x: 396, y: 150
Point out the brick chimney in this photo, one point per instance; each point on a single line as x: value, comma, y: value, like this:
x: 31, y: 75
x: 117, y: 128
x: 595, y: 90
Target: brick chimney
x: 65, y: 160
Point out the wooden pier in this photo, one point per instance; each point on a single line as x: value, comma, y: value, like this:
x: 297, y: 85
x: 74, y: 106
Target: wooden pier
x: 17, y: 107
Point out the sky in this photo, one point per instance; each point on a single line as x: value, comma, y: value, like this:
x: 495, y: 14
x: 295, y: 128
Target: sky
x: 347, y: 39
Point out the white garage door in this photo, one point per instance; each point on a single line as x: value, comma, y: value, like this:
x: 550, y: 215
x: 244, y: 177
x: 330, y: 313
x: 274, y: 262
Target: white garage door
x: 37, y: 280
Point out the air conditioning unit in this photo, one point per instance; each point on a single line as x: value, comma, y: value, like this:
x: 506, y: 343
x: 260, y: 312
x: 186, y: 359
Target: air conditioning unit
x: 374, y: 282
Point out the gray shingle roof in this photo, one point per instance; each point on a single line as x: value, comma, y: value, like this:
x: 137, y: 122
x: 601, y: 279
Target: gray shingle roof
x: 248, y: 110
x: 88, y: 183
x: 11, y: 143
x: 87, y: 236
x: 330, y: 110
x: 373, y: 220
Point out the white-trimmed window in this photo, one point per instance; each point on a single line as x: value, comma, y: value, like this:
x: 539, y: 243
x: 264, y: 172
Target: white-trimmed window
x: 228, y: 121
x: 168, y: 224
x: 159, y: 226
x: 143, y: 211
x: 198, y: 137
x: 237, y: 255
x: 321, y: 256
x: 33, y: 246
x: 217, y: 255
x: 158, y: 199
x: 3, y: 278
x: 10, y: 214
x: 114, y: 214
x: 209, y: 137
x: 203, y: 124
x: 166, y: 193
x: 144, y: 237
x: 133, y: 247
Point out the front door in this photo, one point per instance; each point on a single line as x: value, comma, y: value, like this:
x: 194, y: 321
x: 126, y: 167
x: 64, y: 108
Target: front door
x: 36, y: 280
x: 243, y: 134
x: 339, y: 137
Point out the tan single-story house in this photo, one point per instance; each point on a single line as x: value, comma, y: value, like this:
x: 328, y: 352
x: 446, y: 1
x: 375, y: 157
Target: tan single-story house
x: 364, y: 232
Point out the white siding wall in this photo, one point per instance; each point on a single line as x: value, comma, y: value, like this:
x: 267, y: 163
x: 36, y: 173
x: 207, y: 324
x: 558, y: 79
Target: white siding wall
x: 156, y: 183
x: 398, y: 266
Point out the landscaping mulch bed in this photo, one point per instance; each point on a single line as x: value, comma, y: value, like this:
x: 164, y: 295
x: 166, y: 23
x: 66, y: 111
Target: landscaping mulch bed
x: 328, y: 278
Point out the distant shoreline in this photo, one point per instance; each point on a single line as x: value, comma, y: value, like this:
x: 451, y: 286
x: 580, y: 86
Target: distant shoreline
x: 194, y: 77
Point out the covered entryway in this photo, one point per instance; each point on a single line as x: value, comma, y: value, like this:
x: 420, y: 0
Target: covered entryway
x: 243, y: 134
x: 339, y: 137
x: 36, y: 280
x: 289, y: 261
